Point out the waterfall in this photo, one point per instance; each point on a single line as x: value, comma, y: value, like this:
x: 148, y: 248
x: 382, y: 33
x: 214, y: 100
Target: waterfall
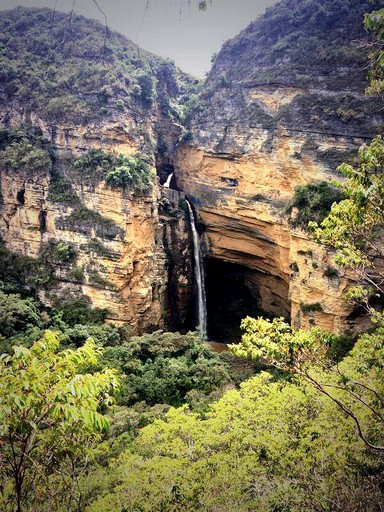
x: 168, y: 182
x: 199, y: 276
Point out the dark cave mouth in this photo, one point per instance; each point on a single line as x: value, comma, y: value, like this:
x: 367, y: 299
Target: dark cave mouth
x: 229, y: 300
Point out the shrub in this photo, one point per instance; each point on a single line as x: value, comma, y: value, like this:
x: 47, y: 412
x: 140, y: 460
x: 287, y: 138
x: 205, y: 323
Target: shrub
x: 22, y: 151
x: 77, y: 274
x: 163, y: 367
x: 58, y: 252
x: 311, y: 307
x: 313, y: 202
x: 118, y: 171
x: 97, y: 279
x: 61, y: 191
x: 82, y: 220
x: 17, y: 314
x: 133, y: 172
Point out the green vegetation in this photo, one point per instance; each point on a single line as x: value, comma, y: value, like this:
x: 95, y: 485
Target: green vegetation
x: 68, y: 69
x: 17, y: 315
x: 58, y: 252
x: 49, y: 421
x: 167, y: 368
x: 83, y: 220
x: 312, y: 307
x: 374, y: 22
x: 74, y: 311
x: 118, y: 171
x: 259, y: 448
x: 284, y: 40
x: 97, y: 279
x: 312, y: 202
x: 77, y: 274
x: 61, y: 191
x: 131, y: 172
x: 354, y: 226
x: 306, y: 435
x: 21, y: 151
x: 308, y: 253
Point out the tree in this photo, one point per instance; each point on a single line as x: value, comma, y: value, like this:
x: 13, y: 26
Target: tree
x: 49, y: 421
x: 355, y: 385
x: 355, y: 226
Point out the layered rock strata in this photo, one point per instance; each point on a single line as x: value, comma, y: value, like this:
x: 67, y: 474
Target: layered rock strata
x: 273, y: 117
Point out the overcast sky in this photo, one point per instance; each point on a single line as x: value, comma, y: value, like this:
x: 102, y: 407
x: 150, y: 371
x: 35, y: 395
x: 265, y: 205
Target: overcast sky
x: 170, y: 28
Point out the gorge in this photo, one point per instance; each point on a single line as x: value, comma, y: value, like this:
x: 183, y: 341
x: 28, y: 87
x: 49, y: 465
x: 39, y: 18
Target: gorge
x: 268, y: 119
x: 191, y: 279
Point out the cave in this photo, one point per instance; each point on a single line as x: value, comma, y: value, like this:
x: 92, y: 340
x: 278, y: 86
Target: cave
x: 20, y: 196
x: 230, y: 298
x: 43, y: 221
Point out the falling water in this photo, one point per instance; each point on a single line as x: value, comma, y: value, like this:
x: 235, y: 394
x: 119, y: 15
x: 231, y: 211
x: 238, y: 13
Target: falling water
x: 168, y: 182
x: 199, y: 276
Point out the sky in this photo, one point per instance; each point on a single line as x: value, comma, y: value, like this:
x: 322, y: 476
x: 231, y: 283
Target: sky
x: 175, y: 29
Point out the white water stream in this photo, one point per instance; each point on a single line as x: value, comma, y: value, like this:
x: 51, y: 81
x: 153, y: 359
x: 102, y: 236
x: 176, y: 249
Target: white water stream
x: 168, y: 182
x: 199, y: 276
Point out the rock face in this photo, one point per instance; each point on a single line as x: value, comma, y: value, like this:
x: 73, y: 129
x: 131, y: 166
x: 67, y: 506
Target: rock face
x: 112, y: 245
x: 283, y: 105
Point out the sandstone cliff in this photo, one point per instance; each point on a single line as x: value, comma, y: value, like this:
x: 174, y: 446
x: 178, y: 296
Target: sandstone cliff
x: 110, y: 244
x: 283, y: 105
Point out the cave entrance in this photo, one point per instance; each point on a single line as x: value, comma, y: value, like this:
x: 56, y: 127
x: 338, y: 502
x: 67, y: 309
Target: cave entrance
x: 233, y: 292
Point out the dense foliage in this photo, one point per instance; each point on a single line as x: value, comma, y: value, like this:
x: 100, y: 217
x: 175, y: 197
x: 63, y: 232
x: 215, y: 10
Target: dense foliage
x: 312, y: 202
x: 280, y: 45
x: 68, y: 68
x: 49, y: 421
x: 54, y: 394
x: 118, y: 171
x: 20, y: 151
x: 269, y: 446
x: 355, y: 226
x: 308, y: 435
x: 167, y: 368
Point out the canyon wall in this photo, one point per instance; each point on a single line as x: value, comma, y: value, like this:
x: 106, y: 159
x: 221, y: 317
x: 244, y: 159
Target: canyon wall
x: 283, y: 106
x: 113, y: 245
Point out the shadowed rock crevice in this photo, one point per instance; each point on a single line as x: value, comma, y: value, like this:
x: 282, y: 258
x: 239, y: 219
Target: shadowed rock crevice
x: 234, y: 292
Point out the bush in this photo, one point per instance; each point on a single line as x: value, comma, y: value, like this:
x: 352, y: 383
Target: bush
x: 77, y: 274
x: 17, y: 314
x: 118, y: 171
x: 311, y: 308
x: 313, y: 202
x: 22, y: 151
x: 133, y: 172
x: 83, y: 220
x: 58, y: 252
x: 61, y: 191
